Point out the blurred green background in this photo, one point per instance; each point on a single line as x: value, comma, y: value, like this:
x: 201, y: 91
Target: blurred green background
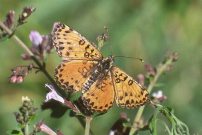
x: 138, y: 28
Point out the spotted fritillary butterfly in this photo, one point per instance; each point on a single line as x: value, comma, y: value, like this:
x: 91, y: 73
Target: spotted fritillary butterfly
x: 83, y: 68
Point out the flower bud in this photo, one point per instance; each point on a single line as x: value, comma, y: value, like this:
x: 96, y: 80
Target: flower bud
x: 10, y: 18
x: 35, y: 38
x: 27, y: 11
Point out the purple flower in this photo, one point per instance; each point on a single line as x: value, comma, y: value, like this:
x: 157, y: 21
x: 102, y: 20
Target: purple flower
x: 53, y: 94
x: 35, y: 38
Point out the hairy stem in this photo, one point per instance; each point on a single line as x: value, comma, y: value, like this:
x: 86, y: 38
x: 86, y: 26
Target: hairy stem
x: 87, y: 128
x: 160, y: 69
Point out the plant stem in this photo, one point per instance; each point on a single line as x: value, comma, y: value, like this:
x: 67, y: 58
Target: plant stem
x: 160, y: 69
x: 26, y: 129
x: 24, y: 46
x: 87, y: 128
x: 26, y: 126
x: 16, y: 38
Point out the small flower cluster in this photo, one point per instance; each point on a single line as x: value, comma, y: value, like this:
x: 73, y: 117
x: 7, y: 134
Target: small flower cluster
x: 12, y: 23
x: 153, y: 72
x: 27, y: 11
x: 158, y: 96
x: 26, y: 111
x: 19, y: 73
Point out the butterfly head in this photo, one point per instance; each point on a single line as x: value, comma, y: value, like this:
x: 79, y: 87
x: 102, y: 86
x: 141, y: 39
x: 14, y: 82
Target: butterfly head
x: 107, y: 62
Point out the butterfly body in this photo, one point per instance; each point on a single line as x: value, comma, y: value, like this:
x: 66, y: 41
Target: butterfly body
x: 100, y: 71
x: 84, y: 69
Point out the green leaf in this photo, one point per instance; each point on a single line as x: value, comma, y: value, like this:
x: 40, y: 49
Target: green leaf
x: 177, y: 126
x: 14, y: 132
x: 152, y: 124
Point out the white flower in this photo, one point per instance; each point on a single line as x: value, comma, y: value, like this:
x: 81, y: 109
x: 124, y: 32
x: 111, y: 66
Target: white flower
x: 159, y: 95
x: 53, y: 94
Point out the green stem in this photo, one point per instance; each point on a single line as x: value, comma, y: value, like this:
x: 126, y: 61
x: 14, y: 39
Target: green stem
x: 26, y: 129
x: 16, y: 38
x: 87, y: 128
x: 43, y: 69
x: 26, y: 126
x: 160, y: 69
x: 24, y: 46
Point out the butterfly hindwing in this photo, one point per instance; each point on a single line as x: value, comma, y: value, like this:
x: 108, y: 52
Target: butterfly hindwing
x: 100, y: 96
x: 129, y: 93
x: 71, y: 75
x: 70, y: 45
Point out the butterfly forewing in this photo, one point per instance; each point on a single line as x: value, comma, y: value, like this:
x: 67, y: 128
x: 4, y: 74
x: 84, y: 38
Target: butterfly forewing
x: 100, y: 96
x: 70, y: 45
x: 72, y: 75
x: 128, y: 92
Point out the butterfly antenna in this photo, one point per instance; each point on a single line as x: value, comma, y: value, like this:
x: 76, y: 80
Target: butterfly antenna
x: 140, y: 59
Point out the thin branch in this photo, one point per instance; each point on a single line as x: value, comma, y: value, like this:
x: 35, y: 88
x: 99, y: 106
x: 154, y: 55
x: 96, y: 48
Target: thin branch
x: 160, y: 69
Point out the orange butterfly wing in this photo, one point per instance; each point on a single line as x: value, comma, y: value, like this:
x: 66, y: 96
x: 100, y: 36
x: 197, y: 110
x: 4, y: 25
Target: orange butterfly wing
x: 79, y: 57
x: 71, y: 75
x: 70, y: 45
x: 128, y: 93
x: 100, y: 96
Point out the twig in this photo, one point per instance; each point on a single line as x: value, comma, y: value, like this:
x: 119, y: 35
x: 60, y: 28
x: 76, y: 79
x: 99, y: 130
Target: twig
x: 160, y: 69
x: 16, y: 38
x: 87, y: 128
